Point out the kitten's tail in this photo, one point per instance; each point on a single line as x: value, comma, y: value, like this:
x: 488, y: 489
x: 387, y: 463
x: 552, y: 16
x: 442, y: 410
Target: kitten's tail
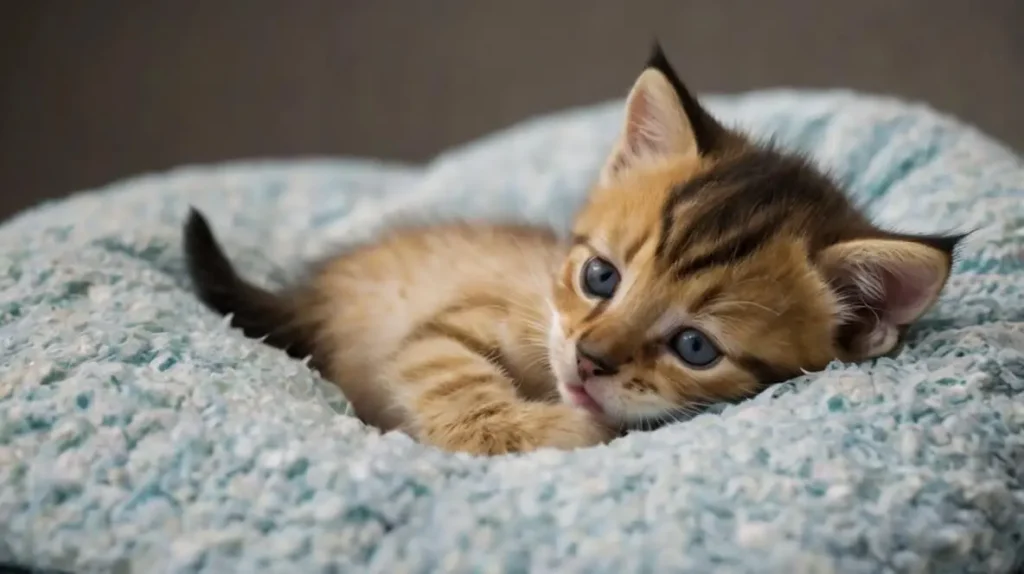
x: 256, y: 311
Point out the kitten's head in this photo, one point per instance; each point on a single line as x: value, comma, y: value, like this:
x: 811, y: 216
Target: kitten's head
x: 705, y: 266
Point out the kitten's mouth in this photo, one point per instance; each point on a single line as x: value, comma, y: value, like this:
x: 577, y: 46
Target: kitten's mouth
x: 578, y: 395
x: 570, y: 387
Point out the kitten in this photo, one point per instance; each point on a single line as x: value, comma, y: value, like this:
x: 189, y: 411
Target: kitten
x: 703, y: 267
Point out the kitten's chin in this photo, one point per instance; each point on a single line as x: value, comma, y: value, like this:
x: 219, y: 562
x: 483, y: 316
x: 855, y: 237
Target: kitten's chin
x: 574, y: 392
x: 577, y: 396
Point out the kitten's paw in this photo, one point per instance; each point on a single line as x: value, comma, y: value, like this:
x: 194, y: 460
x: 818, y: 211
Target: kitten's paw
x: 567, y: 427
x: 502, y: 429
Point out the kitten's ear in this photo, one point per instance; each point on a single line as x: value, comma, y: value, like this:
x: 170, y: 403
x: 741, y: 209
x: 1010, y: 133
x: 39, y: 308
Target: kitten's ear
x: 884, y: 285
x: 663, y: 120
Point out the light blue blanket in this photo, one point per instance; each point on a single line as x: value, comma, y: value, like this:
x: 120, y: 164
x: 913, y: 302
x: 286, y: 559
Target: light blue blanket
x: 138, y: 433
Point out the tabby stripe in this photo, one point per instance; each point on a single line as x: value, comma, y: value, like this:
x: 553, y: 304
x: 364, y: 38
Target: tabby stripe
x: 597, y: 310
x: 679, y: 195
x: 706, y: 225
x: 734, y: 250
x: 584, y: 332
x: 632, y: 250
x: 451, y: 387
x: 582, y: 240
x: 705, y: 298
x: 436, y: 329
x: 484, y: 411
x: 420, y: 371
x: 714, y: 222
x: 764, y: 372
x: 484, y: 302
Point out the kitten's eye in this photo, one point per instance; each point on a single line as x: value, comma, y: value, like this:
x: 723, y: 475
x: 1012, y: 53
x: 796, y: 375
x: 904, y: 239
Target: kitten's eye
x: 599, y: 278
x: 694, y: 348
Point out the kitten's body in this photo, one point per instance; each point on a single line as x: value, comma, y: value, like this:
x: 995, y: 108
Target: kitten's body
x: 702, y: 267
x: 421, y: 278
x: 412, y: 322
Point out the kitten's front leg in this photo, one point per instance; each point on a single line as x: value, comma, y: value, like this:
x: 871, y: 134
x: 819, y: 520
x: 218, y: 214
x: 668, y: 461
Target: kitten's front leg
x: 458, y: 400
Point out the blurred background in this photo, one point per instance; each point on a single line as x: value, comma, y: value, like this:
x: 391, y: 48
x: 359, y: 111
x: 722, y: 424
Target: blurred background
x: 95, y: 91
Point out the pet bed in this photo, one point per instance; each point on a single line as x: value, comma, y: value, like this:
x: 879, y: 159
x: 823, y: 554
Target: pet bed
x: 139, y: 433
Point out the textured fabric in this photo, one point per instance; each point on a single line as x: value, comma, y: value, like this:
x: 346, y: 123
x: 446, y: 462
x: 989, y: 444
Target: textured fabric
x: 139, y: 433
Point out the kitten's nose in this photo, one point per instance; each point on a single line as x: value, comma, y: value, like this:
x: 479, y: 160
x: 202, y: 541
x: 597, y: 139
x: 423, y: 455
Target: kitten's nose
x: 589, y: 366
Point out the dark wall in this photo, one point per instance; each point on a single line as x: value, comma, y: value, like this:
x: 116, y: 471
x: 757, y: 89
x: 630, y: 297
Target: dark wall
x: 94, y: 91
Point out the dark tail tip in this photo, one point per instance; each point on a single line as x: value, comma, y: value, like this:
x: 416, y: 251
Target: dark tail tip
x: 207, y: 264
x: 257, y: 312
x: 213, y: 276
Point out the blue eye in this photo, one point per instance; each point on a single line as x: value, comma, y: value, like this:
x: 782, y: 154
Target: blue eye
x: 599, y: 278
x: 694, y: 348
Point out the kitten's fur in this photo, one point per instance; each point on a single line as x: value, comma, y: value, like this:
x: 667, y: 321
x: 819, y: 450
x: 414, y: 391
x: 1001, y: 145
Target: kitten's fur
x: 485, y: 338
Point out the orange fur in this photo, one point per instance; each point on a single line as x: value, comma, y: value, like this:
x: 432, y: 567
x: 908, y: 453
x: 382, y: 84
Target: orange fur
x: 454, y: 353
x: 483, y: 338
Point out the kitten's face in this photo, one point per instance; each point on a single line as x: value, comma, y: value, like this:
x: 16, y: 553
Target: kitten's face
x: 704, y: 267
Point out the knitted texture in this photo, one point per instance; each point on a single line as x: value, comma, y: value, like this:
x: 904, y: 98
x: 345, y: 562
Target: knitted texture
x: 139, y: 433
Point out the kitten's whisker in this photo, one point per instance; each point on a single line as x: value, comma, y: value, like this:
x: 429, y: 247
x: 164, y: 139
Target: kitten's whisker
x: 736, y: 303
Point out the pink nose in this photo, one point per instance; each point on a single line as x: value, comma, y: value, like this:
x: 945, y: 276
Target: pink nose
x: 586, y: 368
x: 589, y: 366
